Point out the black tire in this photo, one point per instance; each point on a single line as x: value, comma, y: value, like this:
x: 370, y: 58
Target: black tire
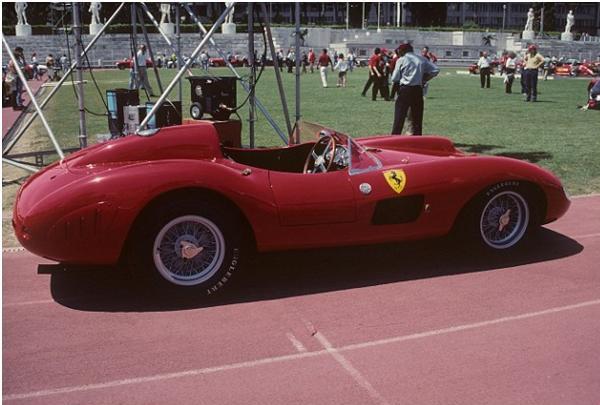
x: 196, y: 111
x: 188, y: 246
x: 499, y: 218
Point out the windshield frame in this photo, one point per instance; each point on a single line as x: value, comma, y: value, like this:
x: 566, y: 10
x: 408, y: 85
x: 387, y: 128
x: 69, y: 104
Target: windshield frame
x: 357, y: 154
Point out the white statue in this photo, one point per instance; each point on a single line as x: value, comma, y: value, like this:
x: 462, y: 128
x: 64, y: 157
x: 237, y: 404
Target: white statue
x: 21, y: 17
x: 229, y: 17
x: 529, y: 23
x: 95, y: 7
x: 570, y: 21
x: 165, y: 13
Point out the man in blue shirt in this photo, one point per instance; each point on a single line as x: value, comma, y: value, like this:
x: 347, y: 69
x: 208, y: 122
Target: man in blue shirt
x: 411, y: 72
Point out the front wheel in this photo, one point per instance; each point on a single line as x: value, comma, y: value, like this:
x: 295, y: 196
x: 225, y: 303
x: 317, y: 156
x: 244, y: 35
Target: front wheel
x: 499, y: 218
x: 504, y: 220
x: 190, y: 247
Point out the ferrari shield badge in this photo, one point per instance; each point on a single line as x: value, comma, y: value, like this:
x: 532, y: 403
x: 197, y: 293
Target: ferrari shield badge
x: 396, y: 179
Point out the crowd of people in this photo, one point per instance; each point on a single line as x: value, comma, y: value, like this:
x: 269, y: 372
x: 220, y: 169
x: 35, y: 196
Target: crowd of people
x: 406, y: 72
x: 33, y: 69
x: 508, y: 64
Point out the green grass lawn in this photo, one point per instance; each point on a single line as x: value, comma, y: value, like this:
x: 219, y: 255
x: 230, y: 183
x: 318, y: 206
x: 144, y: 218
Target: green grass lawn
x: 551, y: 133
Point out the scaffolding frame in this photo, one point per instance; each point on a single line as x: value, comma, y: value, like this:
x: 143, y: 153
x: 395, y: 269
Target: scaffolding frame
x: 137, y: 16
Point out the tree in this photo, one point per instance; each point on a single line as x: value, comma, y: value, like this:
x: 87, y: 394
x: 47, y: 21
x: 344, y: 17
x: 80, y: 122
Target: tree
x: 549, y: 23
x: 356, y: 14
x: 427, y: 14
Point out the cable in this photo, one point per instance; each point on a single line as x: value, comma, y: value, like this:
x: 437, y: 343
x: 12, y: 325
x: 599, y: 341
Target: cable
x: 73, y: 82
x: 263, y: 57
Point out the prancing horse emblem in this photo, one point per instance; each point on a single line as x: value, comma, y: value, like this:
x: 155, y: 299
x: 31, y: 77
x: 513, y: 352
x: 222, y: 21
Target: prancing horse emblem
x: 396, y: 179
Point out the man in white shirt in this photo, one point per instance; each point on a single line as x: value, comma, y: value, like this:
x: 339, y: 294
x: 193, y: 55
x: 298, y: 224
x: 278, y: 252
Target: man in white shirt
x: 411, y: 72
x: 142, y: 70
x: 484, y: 69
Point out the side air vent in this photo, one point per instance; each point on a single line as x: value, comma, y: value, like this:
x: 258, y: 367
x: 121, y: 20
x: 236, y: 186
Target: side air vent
x: 399, y: 210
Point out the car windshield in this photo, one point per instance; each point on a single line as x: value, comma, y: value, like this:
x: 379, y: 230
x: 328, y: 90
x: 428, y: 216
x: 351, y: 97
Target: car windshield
x: 359, y: 160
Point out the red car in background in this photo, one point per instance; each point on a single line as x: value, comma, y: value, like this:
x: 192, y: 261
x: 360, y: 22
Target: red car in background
x: 236, y: 61
x: 573, y: 67
x: 127, y: 63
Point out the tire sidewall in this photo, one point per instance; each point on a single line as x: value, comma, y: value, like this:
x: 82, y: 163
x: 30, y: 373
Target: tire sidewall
x: 226, y: 223
x: 476, y: 211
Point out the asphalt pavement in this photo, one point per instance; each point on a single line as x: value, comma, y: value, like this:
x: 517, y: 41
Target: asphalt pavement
x: 418, y: 323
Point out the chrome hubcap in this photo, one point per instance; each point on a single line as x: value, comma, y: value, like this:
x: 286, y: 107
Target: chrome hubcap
x: 504, y: 220
x: 189, y: 250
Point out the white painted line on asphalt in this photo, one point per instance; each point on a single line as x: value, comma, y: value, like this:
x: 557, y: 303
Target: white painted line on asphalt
x: 576, y: 197
x: 589, y: 235
x: 297, y: 344
x: 19, y: 304
x: 350, y: 369
x: 161, y: 377
x: 297, y: 356
x: 470, y: 326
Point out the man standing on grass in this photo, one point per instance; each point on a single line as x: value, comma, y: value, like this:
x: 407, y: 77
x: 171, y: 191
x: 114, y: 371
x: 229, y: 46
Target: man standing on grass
x: 533, y: 61
x: 374, y: 74
x: 411, y: 72
x: 311, y: 59
x: 142, y: 70
x: 484, y: 66
x: 323, y: 62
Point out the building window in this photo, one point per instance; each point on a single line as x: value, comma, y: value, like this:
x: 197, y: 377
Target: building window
x: 448, y: 53
x: 465, y: 53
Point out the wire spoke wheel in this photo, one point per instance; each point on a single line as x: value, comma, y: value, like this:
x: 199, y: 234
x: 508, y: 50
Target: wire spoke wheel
x: 189, y: 250
x: 504, y: 220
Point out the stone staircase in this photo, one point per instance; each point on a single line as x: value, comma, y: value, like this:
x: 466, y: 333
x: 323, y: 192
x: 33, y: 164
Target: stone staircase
x: 113, y: 47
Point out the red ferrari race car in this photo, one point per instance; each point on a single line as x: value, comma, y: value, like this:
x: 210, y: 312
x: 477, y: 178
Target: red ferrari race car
x: 178, y: 206
x: 128, y: 62
x: 575, y: 68
x: 236, y: 61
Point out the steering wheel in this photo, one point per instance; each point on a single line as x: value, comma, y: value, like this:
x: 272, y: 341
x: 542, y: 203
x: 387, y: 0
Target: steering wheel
x: 320, y: 158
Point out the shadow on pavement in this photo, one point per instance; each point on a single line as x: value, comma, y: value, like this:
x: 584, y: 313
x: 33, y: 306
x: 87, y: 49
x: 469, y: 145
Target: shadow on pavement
x: 288, y: 274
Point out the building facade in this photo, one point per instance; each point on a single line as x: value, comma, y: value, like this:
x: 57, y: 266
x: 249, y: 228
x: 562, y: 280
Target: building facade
x: 495, y: 16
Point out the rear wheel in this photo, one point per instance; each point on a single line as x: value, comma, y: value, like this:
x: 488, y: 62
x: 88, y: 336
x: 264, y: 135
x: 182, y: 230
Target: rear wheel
x: 190, y: 246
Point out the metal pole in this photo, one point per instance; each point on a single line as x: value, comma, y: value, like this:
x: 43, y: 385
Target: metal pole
x: 284, y: 106
x: 79, y: 75
x: 252, y: 101
x: 185, y: 67
x: 232, y: 69
x: 398, y: 11
x: 363, y: 16
x: 26, y: 125
x: 347, y: 15
x: 403, y: 14
x: 378, y: 16
x: 32, y: 98
x: 20, y: 165
x: 296, y: 138
x: 165, y: 37
x: 133, y: 10
x: 150, y: 52
x: 503, y: 16
x: 178, y: 36
x: 157, y: 25
x: 542, y: 22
